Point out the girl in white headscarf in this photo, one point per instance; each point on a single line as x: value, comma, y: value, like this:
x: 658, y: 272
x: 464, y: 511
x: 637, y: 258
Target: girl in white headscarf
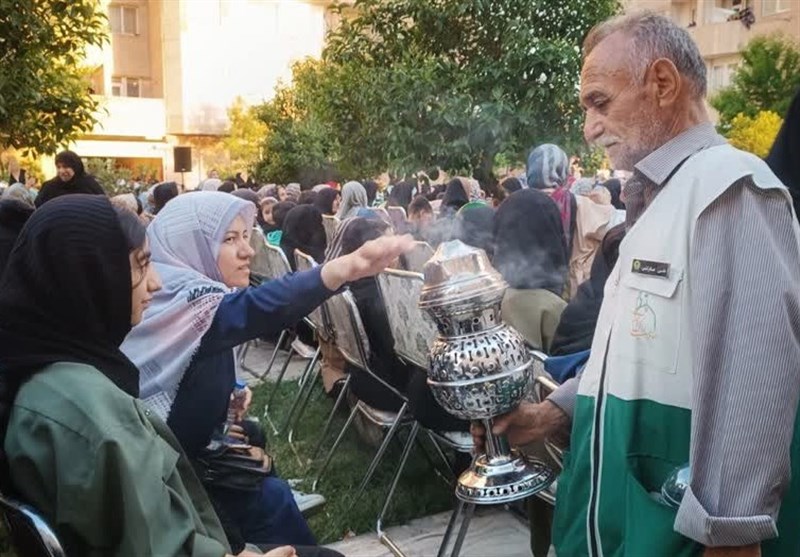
x: 200, y: 245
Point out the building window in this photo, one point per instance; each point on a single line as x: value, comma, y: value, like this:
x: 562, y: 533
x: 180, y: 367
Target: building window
x: 126, y: 87
x: 124, y: 20
x: 769, y: 7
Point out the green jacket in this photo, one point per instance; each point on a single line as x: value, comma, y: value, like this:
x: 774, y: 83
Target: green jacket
x: 110, y: 478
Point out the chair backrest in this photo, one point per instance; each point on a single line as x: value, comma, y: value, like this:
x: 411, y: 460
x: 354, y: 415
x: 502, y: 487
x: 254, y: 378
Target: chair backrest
x: 348, y: 330
x: 276, y: 261
x: 330, y: 223
x: 418, y: 256
x: 317, y: 317
x: 413, y: 330
x: 397, y: 216
x: 259, y: 264
x: 30, y: 533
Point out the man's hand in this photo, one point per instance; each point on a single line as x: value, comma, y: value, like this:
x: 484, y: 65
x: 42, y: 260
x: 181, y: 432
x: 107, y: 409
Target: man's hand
x: 529, y: 422
x: 745, y: 551
x: 369, y: 260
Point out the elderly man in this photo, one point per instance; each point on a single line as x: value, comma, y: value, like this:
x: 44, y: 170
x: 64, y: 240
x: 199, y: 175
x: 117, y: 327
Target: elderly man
x: 696, y: 354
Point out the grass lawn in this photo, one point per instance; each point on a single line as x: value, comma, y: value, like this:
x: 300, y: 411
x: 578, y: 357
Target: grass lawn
x: 420, y: 492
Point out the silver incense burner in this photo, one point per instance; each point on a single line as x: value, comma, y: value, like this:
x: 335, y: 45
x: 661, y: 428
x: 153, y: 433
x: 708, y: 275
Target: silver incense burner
x: 479, y: 368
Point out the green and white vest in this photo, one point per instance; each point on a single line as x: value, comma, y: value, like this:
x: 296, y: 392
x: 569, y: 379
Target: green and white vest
x: 631, y: 425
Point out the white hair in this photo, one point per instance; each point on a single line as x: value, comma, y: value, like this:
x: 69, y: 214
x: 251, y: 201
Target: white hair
x: 654, y: 36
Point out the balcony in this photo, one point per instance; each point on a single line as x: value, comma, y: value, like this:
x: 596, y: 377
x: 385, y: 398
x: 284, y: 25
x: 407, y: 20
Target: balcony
x: 730, y: 37
x: 130, y: 117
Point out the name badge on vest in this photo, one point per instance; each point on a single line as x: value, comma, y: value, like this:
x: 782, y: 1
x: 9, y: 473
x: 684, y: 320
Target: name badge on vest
x: 650, y: 268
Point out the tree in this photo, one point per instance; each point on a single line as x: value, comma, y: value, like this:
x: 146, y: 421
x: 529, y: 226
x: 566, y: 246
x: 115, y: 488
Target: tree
x: 766, y: 80
x: 245, y: 134
x: 756, y: 134
x: 411, y: 84
x: 44, y: 93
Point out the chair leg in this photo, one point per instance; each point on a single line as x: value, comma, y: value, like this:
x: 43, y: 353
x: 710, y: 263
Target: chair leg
x: 274, y: 355
x: 381, y: 450
x: 304, y: 405
x: 334, y: 447
x: 309, y: 371
x: 274, y: 392
x: 242, y: 354
x: 337, y: 404
x: 440, y: 453
x: 412, y: 436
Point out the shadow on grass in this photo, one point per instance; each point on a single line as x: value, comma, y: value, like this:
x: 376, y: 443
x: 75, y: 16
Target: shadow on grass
x: 421, y: 491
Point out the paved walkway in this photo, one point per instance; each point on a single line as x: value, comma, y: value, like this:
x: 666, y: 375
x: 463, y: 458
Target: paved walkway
x: 492, y: 532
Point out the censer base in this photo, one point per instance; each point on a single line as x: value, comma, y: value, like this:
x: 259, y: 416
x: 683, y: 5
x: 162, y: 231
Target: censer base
x: 503, y: 479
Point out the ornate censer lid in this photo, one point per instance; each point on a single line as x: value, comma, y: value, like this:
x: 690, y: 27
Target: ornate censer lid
x: 457, y: 273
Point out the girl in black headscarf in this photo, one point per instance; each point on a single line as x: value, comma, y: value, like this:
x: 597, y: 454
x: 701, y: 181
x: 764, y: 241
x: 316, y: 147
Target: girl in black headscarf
x: 163, y: 193
x: 71, y: 178
x: 614, y: 186
x: 279, y: 212
x: 531, y: 255
x: 476, y: 226
x: 72, y: 427
x: 455, y: 197
x: 327, y: 201
x: 371, y: 187
x: 13, y: 216
x: 303, y: 230
x: 784, y: 157
x: 402, y: 194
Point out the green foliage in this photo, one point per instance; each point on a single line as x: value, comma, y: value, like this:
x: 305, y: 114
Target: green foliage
x: 245, y: 134
x: 410, y: 84
x: 44, y: 98
x: 766, y: 80
x: 112, y: 177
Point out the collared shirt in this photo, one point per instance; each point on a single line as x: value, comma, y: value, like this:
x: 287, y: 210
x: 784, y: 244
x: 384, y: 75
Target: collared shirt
x: 745, y: 265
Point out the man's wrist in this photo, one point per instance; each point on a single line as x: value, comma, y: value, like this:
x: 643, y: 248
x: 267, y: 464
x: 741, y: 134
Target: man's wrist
x: 552, y: 418
x: 334, y: 273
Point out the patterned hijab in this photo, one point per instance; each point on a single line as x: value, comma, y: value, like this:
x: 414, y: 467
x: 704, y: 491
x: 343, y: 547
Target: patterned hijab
x: 185, y: 240
x: 548, y: 169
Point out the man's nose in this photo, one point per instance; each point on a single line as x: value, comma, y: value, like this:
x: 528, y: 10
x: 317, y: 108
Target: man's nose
x: 592, y: 128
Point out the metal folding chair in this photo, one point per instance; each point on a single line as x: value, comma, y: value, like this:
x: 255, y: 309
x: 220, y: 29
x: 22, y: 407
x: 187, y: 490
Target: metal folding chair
x: 330, y: 223
x: 30, y: 533
x: 352, y: 342
x: 318, y: 320
x: 397, y: 216
x: 415, y: 259
x: 262, y: 269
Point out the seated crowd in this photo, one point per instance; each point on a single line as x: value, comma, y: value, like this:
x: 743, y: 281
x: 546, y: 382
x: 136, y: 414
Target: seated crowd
x: 129, y: 378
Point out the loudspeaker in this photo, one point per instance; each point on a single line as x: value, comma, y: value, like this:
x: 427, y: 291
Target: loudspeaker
x: 182, y: 159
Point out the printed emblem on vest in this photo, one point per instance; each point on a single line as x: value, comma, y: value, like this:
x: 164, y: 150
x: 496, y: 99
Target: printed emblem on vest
x: 643, y: 321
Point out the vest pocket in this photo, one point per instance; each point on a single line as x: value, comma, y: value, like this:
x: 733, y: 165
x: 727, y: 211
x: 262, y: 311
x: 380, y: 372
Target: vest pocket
x: 651, y: 311
x: 649, y: 524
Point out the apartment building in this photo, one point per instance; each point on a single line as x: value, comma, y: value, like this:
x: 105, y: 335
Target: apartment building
x: 721, y: 31
x: 173, y: 67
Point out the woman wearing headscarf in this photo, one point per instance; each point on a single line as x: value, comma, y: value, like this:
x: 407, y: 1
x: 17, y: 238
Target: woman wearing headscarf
x: 81, y: 449
x: 531, y: 256
x: 328, y: 200
x: 614, y: 186
x: 248, y: 195
x: 354, y: 197
x: 293, y: 192
x: 783, y: 157
x: 303, y: 230
x: 163, y: 193
x: 71, y: 178
x: 583, y: 221
x: 402, y: 194
x: 455, y: 197
x: 476, y: 226
x: 371, y: 187
x: 184, y: 347
x: 14, y: 213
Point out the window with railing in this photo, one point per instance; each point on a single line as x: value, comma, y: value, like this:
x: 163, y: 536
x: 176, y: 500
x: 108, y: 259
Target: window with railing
x: 123, y: 20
